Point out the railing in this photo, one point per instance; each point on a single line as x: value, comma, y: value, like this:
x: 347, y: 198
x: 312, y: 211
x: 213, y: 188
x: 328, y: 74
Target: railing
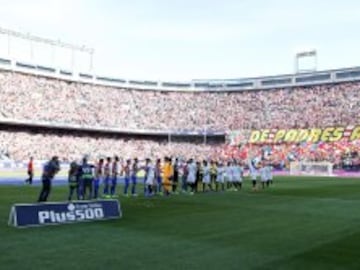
x: 108, y: 130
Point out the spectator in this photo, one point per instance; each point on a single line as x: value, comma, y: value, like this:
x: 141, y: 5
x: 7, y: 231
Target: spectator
x: 26, y: 97
x: 38, y: 99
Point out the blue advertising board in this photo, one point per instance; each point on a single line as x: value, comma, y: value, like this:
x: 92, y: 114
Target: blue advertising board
x: 55, y: 213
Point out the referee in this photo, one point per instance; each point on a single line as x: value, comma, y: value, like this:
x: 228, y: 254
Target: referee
x: 51, y: 168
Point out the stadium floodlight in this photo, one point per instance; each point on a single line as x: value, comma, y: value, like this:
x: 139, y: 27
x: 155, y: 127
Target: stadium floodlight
x: 54, y: 44
x: 310, y: 56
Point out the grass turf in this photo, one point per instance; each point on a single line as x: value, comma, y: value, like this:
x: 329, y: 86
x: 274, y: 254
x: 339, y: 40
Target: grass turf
x: 299, y: 223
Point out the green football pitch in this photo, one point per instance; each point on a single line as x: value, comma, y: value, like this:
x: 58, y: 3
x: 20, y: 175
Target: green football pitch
x: 298, y: 223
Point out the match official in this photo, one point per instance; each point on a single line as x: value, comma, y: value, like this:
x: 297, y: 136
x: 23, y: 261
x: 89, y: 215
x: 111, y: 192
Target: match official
x: 51, y: 168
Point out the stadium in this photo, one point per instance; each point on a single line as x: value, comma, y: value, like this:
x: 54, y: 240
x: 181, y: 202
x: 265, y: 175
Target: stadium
x: 304, y: 127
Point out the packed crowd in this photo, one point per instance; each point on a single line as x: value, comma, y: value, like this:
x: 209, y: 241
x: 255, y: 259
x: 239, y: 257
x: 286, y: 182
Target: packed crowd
x: 27, y: 97
x: 20, y: 146
x: 342, y: 154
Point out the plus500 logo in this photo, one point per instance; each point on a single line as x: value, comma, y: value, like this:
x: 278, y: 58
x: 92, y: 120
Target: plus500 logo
x: 71, y: 215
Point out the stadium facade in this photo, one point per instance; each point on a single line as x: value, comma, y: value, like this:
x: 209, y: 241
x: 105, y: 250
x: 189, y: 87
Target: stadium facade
x: 242, y: 84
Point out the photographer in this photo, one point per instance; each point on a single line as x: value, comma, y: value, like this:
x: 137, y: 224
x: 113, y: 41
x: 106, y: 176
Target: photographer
x: 51, y: 168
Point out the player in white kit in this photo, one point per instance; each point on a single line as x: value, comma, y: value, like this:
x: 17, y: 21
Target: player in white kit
x: 263, y: 174
x: 191, y: 175
x: 229, y: 175
x: 237, y: 176
x: 149, y: 177
x: 253, y: 163
x: 220, y: 176
x: 206, y: 176
x: 269, y: 172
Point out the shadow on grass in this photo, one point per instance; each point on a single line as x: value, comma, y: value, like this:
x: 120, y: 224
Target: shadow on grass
x: 342, y: 253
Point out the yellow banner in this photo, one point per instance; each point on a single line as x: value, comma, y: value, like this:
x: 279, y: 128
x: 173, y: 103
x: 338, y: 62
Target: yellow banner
x: 314, y: 135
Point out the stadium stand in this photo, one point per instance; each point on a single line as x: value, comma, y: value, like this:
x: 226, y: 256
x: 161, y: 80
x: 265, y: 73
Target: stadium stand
x: 20, y: 144
x: 27, y: 97
x: 34, y: 99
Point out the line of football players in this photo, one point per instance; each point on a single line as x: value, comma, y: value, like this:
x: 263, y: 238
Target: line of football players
x: 166, y: 177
